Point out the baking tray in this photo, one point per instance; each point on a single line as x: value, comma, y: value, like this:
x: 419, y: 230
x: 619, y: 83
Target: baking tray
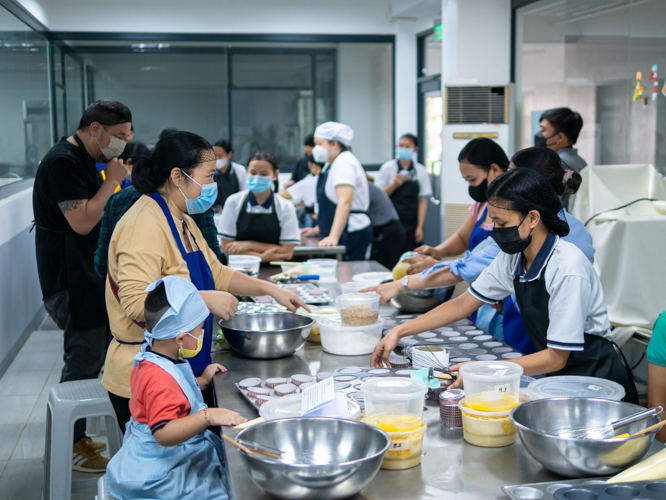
x: 304, y: 292
x: 546, y: 491
x: 639, y: 490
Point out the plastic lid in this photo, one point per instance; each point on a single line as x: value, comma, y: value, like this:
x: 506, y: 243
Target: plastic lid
x: 573, y: 386
x: 394, y: 388
x: 373, y: 276
x: 490, y: 370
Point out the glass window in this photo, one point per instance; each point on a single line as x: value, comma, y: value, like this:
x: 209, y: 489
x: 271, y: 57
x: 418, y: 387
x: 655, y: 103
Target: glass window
x: 24, y: 99
x: 74, y: 89
x: 271, y: 70
x: 432, y: 54
x: 587, y: 57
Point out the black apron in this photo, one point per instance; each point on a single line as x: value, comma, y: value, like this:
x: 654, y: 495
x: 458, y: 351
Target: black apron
x: 264, y: 228
x: 406, y: 201
x: 87, y: 305
x: 598, y: 359
x: 227, y: 184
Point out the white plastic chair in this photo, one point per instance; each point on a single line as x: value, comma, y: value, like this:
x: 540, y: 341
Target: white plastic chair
x: 67, y: 403
x: 102, y: 492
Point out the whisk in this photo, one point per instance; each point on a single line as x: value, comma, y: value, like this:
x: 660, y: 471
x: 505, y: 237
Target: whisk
x: 606, y: 431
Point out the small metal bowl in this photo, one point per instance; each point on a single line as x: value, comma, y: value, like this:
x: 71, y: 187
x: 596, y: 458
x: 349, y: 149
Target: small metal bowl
x: 323, y: 458
x: 537, y: 422
x: 267, y: 335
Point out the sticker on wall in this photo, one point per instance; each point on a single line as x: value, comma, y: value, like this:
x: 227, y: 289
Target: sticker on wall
x: 638, y: 89
x: 655, y: 81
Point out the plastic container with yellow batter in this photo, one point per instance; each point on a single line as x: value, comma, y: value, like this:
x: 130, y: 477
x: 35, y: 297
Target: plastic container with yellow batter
x: 488, y: 429
x: 406, y: 432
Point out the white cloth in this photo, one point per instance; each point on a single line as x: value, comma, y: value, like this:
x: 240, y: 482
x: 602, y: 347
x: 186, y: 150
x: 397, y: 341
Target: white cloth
x: 389, y: 170
x: 286, y: 214
x: 334, y: 131
x: 347, y: 170
x: 576, y: 305
x: 304, y: 191
x: 241, y: 175
x: 630, y: 242
x: 187, y: 309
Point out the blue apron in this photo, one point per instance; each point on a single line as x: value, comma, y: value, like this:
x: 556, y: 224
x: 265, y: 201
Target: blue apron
x: 201, y: 277
x: 358, y: 242
x: 145, y: 469
x: 478, y: 233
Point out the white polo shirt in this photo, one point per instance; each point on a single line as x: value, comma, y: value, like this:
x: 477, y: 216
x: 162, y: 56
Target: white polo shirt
x: 347, y: 170
x: 389, y: 170
x: 576, y: 305
x: 286, y: 214
x: 304, y: 191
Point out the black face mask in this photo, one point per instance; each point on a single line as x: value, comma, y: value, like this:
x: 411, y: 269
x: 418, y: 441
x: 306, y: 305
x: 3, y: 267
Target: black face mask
x: 478, y: 193
x: 540, y: 141
x: 509, y: 240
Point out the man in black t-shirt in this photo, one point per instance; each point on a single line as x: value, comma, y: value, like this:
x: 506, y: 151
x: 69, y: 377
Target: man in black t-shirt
x: 68, y: 203
x: 301, y: 169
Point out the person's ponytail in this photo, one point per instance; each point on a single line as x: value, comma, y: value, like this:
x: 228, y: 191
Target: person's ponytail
x: 141, y: 177
x: 571, y: 181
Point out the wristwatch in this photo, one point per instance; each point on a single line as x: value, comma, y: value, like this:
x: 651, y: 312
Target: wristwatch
x: 404, y: 282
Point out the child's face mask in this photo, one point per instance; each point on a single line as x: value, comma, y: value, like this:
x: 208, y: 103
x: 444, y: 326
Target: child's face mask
x: 189, y: 353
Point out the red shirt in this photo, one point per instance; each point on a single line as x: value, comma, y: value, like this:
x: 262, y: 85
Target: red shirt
x: 156, y: 398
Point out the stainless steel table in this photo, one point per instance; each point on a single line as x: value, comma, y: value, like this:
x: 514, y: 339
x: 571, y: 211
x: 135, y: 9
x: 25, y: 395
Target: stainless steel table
x: 450, y: 468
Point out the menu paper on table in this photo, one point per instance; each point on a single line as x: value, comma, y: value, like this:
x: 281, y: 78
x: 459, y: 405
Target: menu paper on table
x: 321, y: 400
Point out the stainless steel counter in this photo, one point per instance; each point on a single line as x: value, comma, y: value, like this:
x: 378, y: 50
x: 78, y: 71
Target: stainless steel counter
x: 450, y: 468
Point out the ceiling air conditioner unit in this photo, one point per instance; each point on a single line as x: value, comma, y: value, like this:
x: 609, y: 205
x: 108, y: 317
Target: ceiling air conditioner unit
x: 470, y: 111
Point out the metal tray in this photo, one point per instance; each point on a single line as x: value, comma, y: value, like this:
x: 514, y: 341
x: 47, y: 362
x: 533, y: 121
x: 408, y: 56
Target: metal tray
x: 639, y: 490
x: 546, y: 491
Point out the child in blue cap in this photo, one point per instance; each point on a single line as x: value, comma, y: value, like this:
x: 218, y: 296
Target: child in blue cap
x: 168, y: 453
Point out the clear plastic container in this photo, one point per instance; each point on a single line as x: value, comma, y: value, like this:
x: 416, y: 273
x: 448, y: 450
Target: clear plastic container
x: 344, y: 340
x: 331, y: 265
x: 487, y: 429
x: 394, y: 404
x: 491, y: 386
x: 354, y: 286
x: 359, y: 309
x: 574, y: 386
x: 374, y: 278
x: 405, y: 449
x: 248, y: 264
x: 318, y: 313
x: 400, y: 269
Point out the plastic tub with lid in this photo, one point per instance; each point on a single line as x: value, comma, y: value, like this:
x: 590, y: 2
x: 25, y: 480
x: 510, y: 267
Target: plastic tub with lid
x: 329, y: 265
x: 406, y: 447
x: 344, y: 340
x: 394, y: 403
x: 574, y: 386
x: 491, y: 385
x: 487, y: 429
x: 248, y: 264
x: 290, y: 406
x: 358, y: 309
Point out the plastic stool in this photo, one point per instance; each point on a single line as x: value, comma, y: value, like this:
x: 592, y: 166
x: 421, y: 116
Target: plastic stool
x: 102, y: 492
x: 67, y: 403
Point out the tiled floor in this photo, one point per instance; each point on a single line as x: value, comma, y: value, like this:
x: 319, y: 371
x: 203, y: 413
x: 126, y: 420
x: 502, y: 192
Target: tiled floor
x: 24, y: 389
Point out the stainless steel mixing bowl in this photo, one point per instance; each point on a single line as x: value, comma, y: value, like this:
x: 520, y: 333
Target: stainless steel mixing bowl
x: 326, y: 458
x: 267, y: 335
x: 421, y: 301
x: 538, y: 420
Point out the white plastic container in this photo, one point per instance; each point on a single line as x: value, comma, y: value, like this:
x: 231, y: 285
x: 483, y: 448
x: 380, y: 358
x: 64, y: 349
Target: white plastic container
x: 344, y: 340
x: 358, y: 309
x: 487, y: 429
x: 374, y: 278
x: 394, y: 404
x: 329, y: 266
x: 491, y: 386
x: 248, y: 264
x: 290, y: 407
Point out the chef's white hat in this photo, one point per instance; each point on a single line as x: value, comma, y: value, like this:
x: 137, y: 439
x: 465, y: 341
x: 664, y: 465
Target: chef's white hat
x: 187, y: 309
x: 334, y: 131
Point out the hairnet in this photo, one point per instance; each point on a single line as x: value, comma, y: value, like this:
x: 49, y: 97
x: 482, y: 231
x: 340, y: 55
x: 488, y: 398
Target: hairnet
x: 187, y: 309
x: 334, y: 131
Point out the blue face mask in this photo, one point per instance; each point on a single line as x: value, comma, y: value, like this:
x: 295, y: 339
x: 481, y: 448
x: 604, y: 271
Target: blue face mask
x: 404, y: 154
x: 204, y: 201
x: 259, y: 183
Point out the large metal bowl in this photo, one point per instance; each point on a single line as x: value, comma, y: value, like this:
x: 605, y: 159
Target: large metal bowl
x: 267, y: 335
x: 421, y: 301
x: 327, y: 458
x: 538, y: 420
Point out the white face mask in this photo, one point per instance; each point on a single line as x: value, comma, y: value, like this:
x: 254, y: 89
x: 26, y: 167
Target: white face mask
x: 320, y: 154
x: 114, y: 149
x: 219, y: 164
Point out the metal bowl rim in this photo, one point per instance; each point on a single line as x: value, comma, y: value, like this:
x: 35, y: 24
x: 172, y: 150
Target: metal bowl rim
x: 285, y: 330
x: 523, y: 427
x: 260, y: 458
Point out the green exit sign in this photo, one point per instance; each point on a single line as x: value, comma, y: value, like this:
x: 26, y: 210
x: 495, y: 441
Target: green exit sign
x: 438, y: 33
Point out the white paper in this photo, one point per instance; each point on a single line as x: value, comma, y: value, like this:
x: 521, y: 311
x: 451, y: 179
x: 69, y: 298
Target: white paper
x: 317, y: 398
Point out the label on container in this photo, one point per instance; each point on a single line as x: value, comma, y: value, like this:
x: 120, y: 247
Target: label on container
x: 502, y: 389
x: 397, y: 445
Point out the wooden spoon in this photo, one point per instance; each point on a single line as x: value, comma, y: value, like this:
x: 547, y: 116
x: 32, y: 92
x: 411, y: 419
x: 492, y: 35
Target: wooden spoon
x: 650, y: 429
